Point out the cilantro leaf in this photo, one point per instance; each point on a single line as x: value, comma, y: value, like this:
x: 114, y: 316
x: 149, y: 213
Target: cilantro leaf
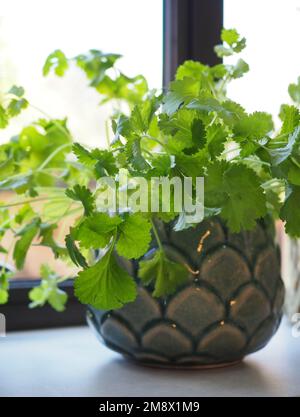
x: 239, y: 69
x: 97, y: 230
x: 121, y: 127
x: 181, y: 91
x: 246, y: 201
x: 236, y: 190
x: 48, y: 291
x: 21, y: 247
x: 235, y: 43
x: 215, y: 195
x: 294, y: 91
x: 135, y: 156
x: 280, y: 154
x: 76, y: 256
x: 191, y: 69
x: 47, y: 239
x: 142, y: 114
x: 105, y: 285
x: 216, y: 136
x: 3, y: 117
x: 254, y: 126
x: 230, y: 36
x: 16, y: 91
x: 84, y: 195
x: 58, y: 62
x: 102, y: 161
x: 186, y: 130
x: 135, y: 236
x: 4, y: 285
x: 16, y: 106
x: 168, y: 275
x: 290, y: 117
x: 290, y: 213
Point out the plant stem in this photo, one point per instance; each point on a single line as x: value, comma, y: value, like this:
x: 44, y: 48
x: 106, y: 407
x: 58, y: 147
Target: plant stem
x: 53, y: 154
x: 107, y: 134
x: 61, y: 128
x: 156, y: 235
x: 295, y: 162
x: 32, y: 200
x: 154, y: 140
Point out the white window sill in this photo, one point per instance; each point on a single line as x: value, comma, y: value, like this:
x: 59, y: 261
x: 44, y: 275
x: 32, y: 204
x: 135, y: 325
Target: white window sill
x: 71, y: 362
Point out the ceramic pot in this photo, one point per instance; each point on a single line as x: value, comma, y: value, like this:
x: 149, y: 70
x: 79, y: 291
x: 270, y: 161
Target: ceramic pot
x: 230, y: 307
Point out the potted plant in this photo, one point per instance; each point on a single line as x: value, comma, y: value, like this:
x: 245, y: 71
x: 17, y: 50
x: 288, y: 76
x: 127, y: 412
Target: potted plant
x: 160, y: 289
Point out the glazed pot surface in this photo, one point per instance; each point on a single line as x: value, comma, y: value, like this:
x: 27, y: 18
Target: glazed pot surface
x: 230, y: 306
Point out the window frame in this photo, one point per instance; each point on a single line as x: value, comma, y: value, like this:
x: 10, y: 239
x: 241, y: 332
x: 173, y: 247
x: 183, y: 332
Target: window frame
x: 191, y: 28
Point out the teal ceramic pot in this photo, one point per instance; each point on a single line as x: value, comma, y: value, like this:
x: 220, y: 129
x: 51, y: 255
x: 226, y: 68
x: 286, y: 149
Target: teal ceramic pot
x: 231, y: 305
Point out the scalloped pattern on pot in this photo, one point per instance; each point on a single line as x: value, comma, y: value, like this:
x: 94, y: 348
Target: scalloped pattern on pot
x: 230, y: 309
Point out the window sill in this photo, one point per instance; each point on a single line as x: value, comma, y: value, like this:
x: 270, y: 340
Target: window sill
x: 71, y: 362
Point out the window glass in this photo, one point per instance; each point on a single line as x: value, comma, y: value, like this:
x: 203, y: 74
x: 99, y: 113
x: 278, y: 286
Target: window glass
x: 272, y: 30
x: 32, y: 29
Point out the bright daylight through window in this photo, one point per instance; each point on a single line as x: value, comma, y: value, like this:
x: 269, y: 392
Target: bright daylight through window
x: 91, y: 24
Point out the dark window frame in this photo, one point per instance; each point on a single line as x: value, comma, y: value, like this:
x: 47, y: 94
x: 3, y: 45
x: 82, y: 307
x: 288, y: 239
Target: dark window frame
x: 190, y: 30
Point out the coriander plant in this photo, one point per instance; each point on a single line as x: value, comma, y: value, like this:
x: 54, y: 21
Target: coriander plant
x: 192, y: 129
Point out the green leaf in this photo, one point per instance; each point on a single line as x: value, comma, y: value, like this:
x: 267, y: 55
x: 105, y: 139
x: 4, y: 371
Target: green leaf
x: 142, y: 114
x: 135, y: 156
x: 215, y: 195
x: 191, y: 69
x: 25, y: 214
x: 97, y: 230
x: 192, y: 165
x: 3, y: 117
x: 229, y: 111
x: 254, y: 126
x: 83, y: 155
x: 246, y: 201
x: 21, y: 247
x: 121, y: 127
x: 56, y: 61
x: 294, y: 91
x: 134, y: 236
x: 280, y: 154
x: 102, y: 161
x: 216, y: 136
x: 186, y: 130
x: 48, y: 291
x: 3, y: 296
x: 230, y: 36
x: 16, y: 91
x: 294, y: 174
x: 77, y: 258
x: 290, y: 213
x: 105, y: 285
x: 235, y: 43
x: 47, y: 240
x: 84, y: 195
x: 16, y: 106
x: 290, y: 117
x: 95, y: 65
x: 239, y: 69
x: 4, y: 285
x: 222, y: 51
x: 168, y: 275
x: 181, y: 91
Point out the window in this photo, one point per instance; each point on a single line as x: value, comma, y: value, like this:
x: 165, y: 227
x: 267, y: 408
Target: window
x: 154, y: 36
x: 131, y: 28
x: 272, y: 30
